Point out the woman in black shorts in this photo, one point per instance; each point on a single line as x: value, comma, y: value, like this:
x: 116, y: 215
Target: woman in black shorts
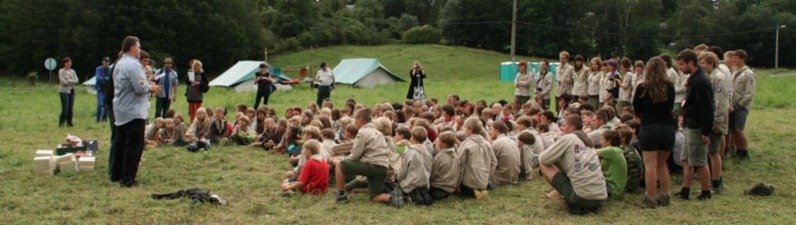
x: 653, y: 103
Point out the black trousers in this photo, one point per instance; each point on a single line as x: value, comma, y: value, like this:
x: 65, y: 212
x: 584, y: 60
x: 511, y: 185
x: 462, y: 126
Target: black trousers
x: 438, y: 194
x: 129, y: 145
x: 162, y: 106
x: 324, y: 92
x: 112, y: 152
x: 262, y: 93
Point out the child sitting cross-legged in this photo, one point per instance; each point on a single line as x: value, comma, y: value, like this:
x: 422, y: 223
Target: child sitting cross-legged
x: 613, y: 164
x: 314, y: 176
x: 178, y: 138
x: 445, y: 169
x: 415, y: 171
x: 152, y: 134
x: 219, y: 134
x: 241, y: 133
x: 198, y: 131
x: 310, y: 133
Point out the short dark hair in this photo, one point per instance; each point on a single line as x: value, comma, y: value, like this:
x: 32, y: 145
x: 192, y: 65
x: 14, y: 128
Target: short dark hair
x: 129, y: 42
x: 403, y: 131
x: 625, y: 134
x: 613, y: 137
x: 365, y: 114
x: 687, y: 56
x: 500, y: 126
x: 327, y: 133
x: 526, y: 138
x: 66, y: 59
x: 741, y: 54
x: 574, y: 121
x: 323, y: 64
x: 448, y: 109
x: 717, y: 50
x: 666, y: 59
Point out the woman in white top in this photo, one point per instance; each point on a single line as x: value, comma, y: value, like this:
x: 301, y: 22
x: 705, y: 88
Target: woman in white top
x: 580, y: 89
x: 595, y: 75
x: 66, y: 88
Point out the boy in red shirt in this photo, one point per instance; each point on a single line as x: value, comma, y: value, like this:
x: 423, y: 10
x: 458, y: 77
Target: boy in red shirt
x: 314, y: 177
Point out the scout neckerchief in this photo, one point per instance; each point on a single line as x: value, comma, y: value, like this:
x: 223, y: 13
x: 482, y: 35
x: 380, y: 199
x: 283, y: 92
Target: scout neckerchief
x: 740, y: 73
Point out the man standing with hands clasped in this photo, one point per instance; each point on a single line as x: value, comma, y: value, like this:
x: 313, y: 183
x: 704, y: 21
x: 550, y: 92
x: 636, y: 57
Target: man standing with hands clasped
x: 130, y: 107
x: 325, y: 80
x: 698, y: 108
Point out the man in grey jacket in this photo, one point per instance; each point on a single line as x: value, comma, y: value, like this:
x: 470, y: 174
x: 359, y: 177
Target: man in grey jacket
x: 131, y: 109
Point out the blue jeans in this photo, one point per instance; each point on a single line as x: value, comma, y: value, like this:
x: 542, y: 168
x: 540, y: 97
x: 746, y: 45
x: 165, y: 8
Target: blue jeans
x: 162, y: 106
x: 67, y: 106
x: 102, y: 114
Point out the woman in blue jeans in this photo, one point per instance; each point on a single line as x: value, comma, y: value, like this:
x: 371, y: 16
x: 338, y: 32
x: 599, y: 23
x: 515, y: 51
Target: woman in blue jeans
x: 68, y: 79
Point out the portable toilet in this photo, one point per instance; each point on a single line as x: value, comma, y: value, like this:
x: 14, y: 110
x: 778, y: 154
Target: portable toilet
x: 508, y: 71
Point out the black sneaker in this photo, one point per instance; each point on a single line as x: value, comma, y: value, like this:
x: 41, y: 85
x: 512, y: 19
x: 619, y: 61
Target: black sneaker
x: 397, y: 201
x: 341, y: 198
x: 128, y: 184
x: 704, y: 196
x: 684, y: 193
x: 578, y: 211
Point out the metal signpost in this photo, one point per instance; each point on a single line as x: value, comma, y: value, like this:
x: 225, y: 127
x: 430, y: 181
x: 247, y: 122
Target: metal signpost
x: 50, y: 64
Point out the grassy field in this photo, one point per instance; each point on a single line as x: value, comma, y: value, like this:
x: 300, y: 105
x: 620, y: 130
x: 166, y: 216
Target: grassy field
x: 249, y: 178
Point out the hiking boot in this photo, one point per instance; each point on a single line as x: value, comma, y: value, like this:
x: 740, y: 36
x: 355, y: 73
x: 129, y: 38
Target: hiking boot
x: 397, y: 201
x: 684, y: 193
x: 649, y: 203
x: 663, y: 200
x: 482, y: 193
x: 704, y: 196
x: 341, y: 198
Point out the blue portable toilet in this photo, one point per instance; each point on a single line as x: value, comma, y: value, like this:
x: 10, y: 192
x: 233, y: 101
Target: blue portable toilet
x: 508, y: 71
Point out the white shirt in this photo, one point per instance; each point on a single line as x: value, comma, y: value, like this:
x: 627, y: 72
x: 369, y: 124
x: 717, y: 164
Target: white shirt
x: 325, y: 77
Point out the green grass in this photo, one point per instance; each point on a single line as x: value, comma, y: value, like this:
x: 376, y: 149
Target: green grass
x: 249, y: 178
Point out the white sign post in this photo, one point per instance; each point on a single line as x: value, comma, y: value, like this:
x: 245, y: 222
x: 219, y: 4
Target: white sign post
x: 50, y: 64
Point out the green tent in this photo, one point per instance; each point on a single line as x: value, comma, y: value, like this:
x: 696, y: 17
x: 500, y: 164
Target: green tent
x: 365, y: 73
x: 241, y: 76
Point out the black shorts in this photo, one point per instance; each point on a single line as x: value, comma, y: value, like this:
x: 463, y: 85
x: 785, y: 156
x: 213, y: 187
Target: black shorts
x: 653, y: 137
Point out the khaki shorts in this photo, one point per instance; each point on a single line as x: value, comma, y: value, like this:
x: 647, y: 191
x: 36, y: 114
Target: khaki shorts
x: 696, y: 150
x: 715, y: 142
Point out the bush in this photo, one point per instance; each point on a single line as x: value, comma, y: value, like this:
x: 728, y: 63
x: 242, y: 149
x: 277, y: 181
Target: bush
x: 422, y: 35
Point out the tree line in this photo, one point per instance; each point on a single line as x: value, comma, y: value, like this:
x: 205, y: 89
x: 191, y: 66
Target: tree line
x: 221, y: 32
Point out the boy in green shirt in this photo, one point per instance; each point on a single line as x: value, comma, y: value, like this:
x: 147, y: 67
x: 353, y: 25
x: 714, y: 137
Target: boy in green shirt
x: 613, y: 164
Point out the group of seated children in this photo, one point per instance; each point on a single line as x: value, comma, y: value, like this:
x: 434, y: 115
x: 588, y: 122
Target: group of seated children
x: 210, y: 127
x: 423, y: 151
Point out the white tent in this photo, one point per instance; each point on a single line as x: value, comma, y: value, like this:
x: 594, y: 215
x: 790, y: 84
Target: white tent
x: 240, y: 77
x: 365, y: 73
